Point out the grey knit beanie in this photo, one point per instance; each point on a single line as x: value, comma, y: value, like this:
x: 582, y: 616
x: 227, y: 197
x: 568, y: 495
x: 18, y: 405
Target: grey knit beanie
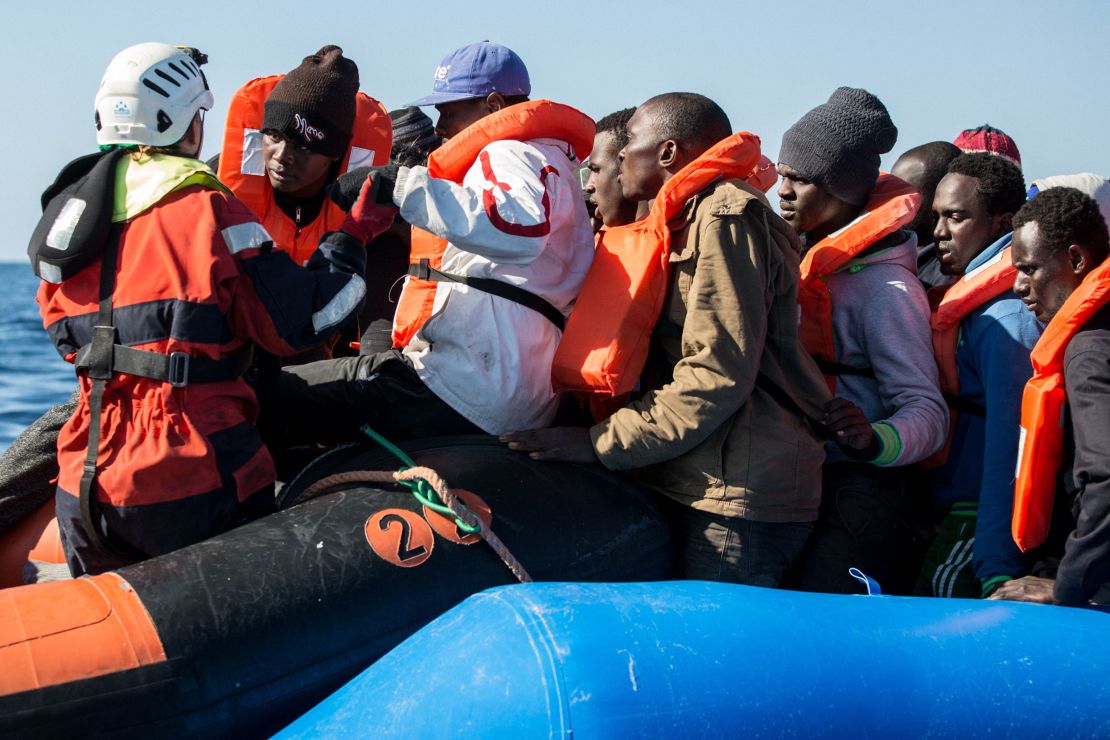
x: 838, y: 144
x: 413, y: 128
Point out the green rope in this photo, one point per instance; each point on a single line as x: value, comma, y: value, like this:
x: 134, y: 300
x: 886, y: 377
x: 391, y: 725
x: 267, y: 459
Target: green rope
x: 421, y: 489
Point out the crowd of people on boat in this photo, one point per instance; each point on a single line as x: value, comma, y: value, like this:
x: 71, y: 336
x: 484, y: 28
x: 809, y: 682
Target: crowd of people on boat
x: 814, y: 366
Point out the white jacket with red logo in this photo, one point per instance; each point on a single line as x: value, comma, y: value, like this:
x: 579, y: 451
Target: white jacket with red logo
x: 518, y: 217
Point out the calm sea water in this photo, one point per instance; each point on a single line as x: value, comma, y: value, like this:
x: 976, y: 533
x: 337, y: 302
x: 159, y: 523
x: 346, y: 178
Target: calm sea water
x: 33, y: 377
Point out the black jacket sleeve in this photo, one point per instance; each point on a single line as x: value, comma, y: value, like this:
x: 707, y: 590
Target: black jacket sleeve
x: 1086, y: 562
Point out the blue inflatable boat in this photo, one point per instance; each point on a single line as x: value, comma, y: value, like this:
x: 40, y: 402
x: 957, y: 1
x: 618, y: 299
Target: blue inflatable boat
x: 694, y: 659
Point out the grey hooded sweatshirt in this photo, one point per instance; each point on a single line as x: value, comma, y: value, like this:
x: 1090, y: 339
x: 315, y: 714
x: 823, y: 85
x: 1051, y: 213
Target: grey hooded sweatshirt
x: 880, y: 320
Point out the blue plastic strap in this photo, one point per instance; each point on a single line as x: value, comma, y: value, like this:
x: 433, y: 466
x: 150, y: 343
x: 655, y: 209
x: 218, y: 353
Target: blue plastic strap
x: 873, y: 588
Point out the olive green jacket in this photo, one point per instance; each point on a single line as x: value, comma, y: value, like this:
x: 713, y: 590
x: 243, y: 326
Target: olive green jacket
x: 703, y: 431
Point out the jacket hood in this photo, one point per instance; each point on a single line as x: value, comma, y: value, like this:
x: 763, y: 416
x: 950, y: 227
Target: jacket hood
x: 899, y: 248
x: 989, y: 253
x: 76, y: 217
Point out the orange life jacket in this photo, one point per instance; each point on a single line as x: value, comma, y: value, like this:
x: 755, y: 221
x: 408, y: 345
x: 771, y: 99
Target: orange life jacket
x: 535, y: 119
x: 605, y: 343
x: 243, y: 171
x: 891, y: 205
x: 983, y: 284
x: 1041, y: 446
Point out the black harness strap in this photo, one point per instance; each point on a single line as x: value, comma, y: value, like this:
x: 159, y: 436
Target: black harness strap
x: 177, y: 368
x: 786, y: 401
x: 100, y: 364
x: 424, y: 271
x: 956, y: 403
x: 831, y: 367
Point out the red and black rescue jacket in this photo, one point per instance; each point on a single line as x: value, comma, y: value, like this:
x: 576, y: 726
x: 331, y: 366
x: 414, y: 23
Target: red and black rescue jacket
x: 196, y: 274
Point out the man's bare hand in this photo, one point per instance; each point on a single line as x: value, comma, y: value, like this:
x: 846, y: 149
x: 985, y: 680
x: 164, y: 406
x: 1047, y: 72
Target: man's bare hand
x: 569, y: 444
x: 1029, y: 588
x: 847, y: 422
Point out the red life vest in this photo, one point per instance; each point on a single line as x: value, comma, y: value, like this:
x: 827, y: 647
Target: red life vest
x: 243, y: 170
x: 535, y: 119
x: 983, y: 284
x: 605, y: 343
x: 891, y: 205
x: 1041, y: 445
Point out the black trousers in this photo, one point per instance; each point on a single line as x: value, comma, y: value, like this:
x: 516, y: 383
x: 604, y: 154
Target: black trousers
x: 328, y: 402
x: 862, y: 524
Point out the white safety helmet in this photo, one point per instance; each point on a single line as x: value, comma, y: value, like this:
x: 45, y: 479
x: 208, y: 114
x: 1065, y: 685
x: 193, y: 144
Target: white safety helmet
x: 149, y: 95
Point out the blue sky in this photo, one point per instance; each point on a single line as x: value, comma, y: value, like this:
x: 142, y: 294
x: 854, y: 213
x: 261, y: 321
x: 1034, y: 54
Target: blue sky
x: 1036, y: 70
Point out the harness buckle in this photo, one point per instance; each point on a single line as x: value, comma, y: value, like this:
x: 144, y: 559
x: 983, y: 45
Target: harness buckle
x: 178, y: 371
x: 421, y: 270
x: 102, y: 352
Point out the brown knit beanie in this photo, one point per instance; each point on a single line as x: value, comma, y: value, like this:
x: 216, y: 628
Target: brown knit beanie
x: 314, y: 105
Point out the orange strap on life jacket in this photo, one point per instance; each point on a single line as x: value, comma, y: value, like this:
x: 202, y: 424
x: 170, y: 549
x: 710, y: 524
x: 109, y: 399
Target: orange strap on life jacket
x: 535, y: 119
x: 243, y: 170
x: 763, y: 175
x: 892, y: 204
x: 1041, y: 446
x: 606, y: 340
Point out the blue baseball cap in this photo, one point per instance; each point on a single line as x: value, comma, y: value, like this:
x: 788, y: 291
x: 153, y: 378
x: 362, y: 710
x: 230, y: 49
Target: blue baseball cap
x: 476, y: 70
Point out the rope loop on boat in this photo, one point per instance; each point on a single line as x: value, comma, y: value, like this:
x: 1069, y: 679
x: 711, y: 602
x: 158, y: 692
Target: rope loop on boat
x: 433, y: 492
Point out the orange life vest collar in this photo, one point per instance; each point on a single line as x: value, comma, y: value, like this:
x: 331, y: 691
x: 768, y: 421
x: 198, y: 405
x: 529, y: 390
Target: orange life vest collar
x: 242, y: 168
x: 533, y: 119
x: 735, y: 157
x: 892, y: 204
x: 1041, y: 449
x: 606, y: 340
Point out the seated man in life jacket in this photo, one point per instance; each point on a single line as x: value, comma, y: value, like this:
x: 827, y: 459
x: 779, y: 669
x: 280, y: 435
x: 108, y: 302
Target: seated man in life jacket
x: 157, y: 291
x: 1059, y: 250
x: 506, y: 243
x: 865, y: 319
x: 607, y: 204
x: 721, y: 423
x: 982, y: 336
x: 923, y: 167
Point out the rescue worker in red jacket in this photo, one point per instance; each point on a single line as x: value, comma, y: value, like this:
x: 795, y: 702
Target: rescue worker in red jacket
x: 157, y: 281
x: 1059, y: 250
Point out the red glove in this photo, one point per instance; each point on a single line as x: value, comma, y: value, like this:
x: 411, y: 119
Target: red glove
x: 367, y: 219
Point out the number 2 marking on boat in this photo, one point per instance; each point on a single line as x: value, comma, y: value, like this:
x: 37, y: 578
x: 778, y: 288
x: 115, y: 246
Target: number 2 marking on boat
x: 400, y: 537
